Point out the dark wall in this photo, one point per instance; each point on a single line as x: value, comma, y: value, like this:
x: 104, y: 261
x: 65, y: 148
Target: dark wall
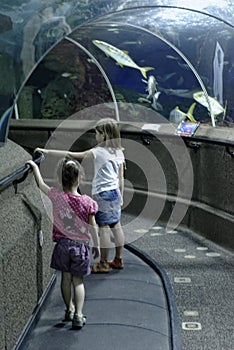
x: 24, y: 265
x: 198, y: 180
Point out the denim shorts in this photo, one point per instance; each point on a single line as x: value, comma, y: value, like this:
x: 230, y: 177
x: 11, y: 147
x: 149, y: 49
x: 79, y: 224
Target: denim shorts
x: 109, y: 207
x: 71, y: 256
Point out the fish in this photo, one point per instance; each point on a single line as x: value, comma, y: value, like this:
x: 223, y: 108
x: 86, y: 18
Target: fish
x: 157, y: 106
x: 66, y: 75
x: 120, y: 56
x: 184, y: 65
x: 216, y: 107
x: 113, y: 30
x: 170, y: 57
x: 143, y: 100
x: 177, y: 116
x: 185, y: 93
x: 180, y: 81
x: 167, y: 76
x: 151, y: 86
x: 69, y: 75
x: 176, y: 58
x: 132, y: 42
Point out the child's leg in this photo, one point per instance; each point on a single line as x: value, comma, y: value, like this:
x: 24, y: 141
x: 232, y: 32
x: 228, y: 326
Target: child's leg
x: 103, y: 266
x: 117, y: 230
x: 66, y: 290
x: 79, y: 294
x: 119, y: 239
x: 104, y: 242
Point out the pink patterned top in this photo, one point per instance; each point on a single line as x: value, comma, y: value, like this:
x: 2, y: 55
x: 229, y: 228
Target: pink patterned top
x: 71, y: 215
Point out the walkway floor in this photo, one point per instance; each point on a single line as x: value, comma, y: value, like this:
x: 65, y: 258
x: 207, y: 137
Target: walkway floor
x: 128, y: 309
x: 201, y: 276
x: 125, y: 309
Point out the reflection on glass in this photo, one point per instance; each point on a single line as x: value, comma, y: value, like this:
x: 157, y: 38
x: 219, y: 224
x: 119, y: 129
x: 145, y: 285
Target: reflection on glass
x: 66, y: 81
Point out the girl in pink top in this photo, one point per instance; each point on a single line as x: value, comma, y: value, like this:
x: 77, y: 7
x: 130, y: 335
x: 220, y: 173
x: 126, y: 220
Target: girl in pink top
x: 74, y: 224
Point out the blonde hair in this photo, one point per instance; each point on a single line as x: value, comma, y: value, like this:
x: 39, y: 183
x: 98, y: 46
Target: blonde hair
x: 109, y: 128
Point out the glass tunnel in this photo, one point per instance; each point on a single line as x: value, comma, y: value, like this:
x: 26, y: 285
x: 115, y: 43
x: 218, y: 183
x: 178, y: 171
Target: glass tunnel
x: 151, y: 65
x: 174, y: 58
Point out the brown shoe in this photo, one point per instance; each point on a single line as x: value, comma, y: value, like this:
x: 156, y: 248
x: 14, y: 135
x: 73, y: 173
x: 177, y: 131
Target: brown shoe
x: 102, y: 267
x: 117, y: 264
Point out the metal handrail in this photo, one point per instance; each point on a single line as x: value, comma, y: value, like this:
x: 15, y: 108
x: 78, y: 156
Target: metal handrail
x: 194, y: 138
x: 195, y: 142
x: 20, y: 174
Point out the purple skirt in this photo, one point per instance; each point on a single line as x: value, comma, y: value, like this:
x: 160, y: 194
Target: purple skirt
x: 71, y: 256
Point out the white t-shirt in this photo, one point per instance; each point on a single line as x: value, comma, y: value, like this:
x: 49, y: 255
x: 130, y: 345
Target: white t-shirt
x: 107, y: 162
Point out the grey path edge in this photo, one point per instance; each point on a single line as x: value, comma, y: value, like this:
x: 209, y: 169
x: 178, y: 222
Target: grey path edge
x: 174, y: 318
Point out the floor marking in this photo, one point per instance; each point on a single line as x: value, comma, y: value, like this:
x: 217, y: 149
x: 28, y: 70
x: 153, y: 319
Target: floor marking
x: 179, y: 250
x: 182, y: 280
x: 172, y: 231
x: 141, y: 230
x: 156, y: 234
x: 213, y: 254
x: 157, y: 227
x: 190, y: 313
x: 202, y: 248
x: 191, y: 326
x: 190, y: 257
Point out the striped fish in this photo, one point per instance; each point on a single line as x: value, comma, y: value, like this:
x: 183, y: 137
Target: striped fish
x: 120, y: 56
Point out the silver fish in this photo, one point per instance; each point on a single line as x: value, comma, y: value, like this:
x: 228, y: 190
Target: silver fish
x: 180, y: 81
x: 66, y: 75
x: 184, y: 65
x: 143, y: 100
x: 120, y: 56
x: 172, y: 57
x: 185, y: 93
x: 167, y: 76
x: 157, y: 106
x: 69, y: 75
x: 151, y: 86
x: 132, y: 42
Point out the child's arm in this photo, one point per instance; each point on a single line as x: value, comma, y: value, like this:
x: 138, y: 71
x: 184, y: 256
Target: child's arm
x: 94, y: 234
x: 39, y: 180
x: 121, y: 179
x: 63, y: 153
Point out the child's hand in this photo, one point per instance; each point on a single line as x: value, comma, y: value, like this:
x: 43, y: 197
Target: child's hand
x: 38, y: 149
x: 121, y: 201
x: 95, y: 252
x: 31, y: 163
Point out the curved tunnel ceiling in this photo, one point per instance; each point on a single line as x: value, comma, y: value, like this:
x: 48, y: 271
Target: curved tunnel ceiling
x: 163, y: 36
